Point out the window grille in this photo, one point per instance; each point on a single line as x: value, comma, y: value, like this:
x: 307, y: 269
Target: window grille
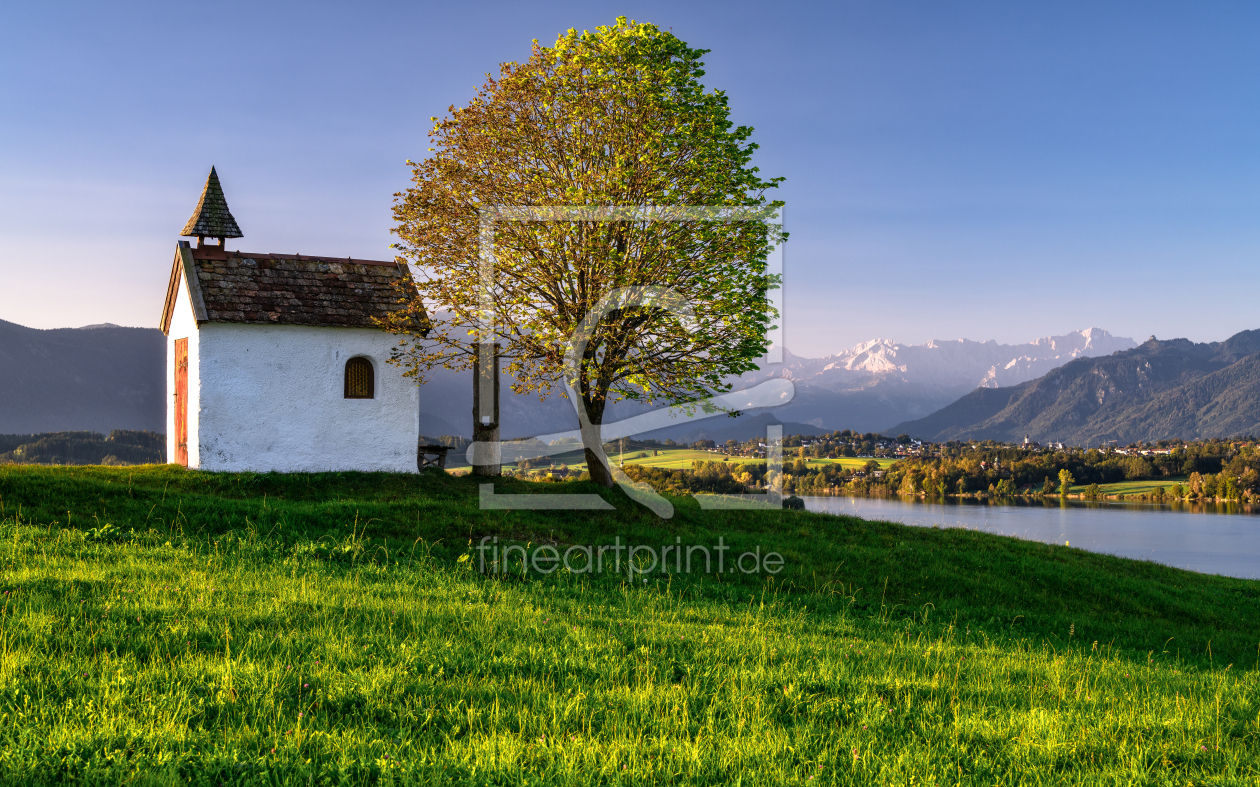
x: 360, y: 382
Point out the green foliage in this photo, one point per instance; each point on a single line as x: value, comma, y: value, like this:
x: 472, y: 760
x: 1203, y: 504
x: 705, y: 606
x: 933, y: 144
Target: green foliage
x: 106, y: 532
x: 989, y: 464
x: 705, y: 476
x: 1065, y: 482
x: 292, y: 629
x: 990, y: 468
x: 1136, y: 467
x: 613, y: 117
x: 122, y: 447
x: 10, y: 441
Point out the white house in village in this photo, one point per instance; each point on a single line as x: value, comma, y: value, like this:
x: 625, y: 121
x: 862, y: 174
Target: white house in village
x: 274, y: 361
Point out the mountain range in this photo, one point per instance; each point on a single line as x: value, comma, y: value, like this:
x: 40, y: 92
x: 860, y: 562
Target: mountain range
x: 98, y: 378
x: 1158, y: 390
x: 1084, y: 388
x: 866, y: 388
x: 101, y: 378
x: 879, y: 383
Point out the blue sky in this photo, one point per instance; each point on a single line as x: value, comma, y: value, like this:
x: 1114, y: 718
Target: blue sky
x: 981, y: 170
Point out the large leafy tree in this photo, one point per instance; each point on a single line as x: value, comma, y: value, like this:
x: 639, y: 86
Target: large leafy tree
x: 665, y: 311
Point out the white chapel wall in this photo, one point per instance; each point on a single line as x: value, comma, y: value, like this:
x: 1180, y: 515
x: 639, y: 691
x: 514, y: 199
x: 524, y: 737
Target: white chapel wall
x: 272, y: 398
x: 183, y: 326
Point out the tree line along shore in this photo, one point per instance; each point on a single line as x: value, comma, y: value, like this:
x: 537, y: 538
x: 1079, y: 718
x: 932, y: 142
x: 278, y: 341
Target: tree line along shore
x: 1214, y: 470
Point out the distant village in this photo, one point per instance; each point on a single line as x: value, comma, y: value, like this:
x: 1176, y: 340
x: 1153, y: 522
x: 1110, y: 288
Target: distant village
x: 847, y: 443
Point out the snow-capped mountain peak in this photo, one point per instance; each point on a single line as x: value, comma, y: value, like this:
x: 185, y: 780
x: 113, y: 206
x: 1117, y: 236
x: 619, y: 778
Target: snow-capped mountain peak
x: 954, y: 364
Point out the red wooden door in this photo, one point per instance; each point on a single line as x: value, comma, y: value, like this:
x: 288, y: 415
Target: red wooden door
x: 181, y: 402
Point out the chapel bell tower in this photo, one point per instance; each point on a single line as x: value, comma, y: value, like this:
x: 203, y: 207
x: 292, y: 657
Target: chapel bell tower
x: 211, y: 218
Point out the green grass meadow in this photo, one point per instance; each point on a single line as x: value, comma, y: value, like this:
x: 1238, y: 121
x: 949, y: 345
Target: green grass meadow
x: 165, y: 626
x: 1132, y: 487
x: 671, y: 458
x: 682, y: 459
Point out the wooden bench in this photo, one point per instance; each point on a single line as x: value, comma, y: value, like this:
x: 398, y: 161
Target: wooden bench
x: 431, y: 456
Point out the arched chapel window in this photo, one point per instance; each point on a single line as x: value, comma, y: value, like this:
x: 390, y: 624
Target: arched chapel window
x: 360, y: 382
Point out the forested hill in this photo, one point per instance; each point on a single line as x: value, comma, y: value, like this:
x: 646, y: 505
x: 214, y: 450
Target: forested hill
x: 99, y: 379
x: 1158, y: 390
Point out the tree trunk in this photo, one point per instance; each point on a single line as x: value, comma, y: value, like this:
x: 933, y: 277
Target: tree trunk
x: 597, y: 462
x: 600, y: 474
x: 487, y: 459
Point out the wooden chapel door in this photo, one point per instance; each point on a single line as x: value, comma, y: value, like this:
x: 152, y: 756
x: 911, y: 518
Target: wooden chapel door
x: 181, y: 402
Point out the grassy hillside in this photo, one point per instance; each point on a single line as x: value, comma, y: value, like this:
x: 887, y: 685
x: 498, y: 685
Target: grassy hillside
x: 161, y: 624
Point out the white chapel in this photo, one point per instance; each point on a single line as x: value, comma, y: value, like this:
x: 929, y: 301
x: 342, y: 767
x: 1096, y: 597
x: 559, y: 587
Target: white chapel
x: 276, y: 361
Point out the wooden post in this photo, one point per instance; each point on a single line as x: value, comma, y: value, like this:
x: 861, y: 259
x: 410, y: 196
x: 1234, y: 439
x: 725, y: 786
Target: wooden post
x: 486, y: 460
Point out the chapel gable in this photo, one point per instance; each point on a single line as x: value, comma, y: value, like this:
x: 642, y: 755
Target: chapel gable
x: 278, y: 289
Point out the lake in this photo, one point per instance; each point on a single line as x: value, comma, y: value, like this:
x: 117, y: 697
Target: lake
x: 1210, y: 538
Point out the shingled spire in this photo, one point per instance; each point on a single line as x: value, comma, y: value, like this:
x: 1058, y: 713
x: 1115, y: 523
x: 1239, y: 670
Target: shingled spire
x: 212, y: 219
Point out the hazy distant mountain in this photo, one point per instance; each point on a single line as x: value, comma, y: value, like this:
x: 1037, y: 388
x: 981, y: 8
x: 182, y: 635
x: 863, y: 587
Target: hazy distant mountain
x: 103, y: 377
x: 867, y: 387
x: 1156, y: 391
x: 99, y: 378
x: 945, y: 364
x: 878, y: 383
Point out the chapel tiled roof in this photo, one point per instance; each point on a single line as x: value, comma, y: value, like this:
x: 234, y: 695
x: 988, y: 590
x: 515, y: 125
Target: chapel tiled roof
x: 211, y: 218
x: 292, y: 289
